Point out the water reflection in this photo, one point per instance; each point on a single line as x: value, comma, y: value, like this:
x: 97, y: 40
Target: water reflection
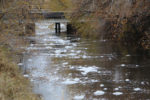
x: 70, y: 68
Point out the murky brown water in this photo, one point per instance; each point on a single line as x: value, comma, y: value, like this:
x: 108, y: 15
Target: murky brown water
x: 70, y: 68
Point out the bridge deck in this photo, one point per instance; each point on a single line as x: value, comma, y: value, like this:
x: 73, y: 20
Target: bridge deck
x: 49, y: 14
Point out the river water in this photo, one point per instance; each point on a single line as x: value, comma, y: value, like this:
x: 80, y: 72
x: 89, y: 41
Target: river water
x: 71, y: 68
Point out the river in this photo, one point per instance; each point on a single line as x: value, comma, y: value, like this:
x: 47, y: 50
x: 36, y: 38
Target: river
x: 72, y: 68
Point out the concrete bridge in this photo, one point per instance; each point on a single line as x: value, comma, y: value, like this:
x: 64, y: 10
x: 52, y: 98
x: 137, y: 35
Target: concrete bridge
x: 36, y: 14
x: 47, y: 14
x: 58, y: 17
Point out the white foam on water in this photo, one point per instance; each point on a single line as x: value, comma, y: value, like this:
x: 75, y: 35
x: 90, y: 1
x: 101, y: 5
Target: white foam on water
x: 122, y: 65
x: 128, y: 55
x: 72, y: 54
x: 31, y: 45
x: 116, y: 89
x: 70, y: 82
x: 60, y: 55
x: 147, y: 83
x: 48, y: 47
x: 29, y: 60
x: 78, y: 51
x: 35, y: 48
x: 58, y: 51
x: 110, y: 58
x: 77, y: 79
x: 72, y: 50
x: 68, y: 47
x: 79, y: 97
x: 65, y: 63
x: 60, y: 41
x: 102, y: 56
x: 26, y: 75
x: 74, y: 44
x: 119, y: 87
x: 86, y: 78
x: 137, y: 89
x: 20, y: 64
x: 77, y: 57
x: 86, y: 70
x: 70, y: 74
x: 117, y: 93
x: 94, y: 81
x: 143, y: 83
x: 127, y: 80
x: 101, y: 85
x: 71, y: 67
x: 84, y: 56
x: 99, y: 93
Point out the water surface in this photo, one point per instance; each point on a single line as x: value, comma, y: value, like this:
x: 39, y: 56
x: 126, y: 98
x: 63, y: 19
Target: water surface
x: 70, y: 68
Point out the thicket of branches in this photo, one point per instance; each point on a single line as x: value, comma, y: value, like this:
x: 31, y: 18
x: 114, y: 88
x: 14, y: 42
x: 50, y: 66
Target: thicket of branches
x: 14, y: 14
x: 124, y: 20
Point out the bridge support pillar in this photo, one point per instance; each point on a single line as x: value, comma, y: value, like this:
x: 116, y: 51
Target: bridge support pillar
x: 70, y: 29
x: 57, y: 28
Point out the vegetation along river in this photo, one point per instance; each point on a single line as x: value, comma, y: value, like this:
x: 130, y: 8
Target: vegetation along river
x: 71, y: 68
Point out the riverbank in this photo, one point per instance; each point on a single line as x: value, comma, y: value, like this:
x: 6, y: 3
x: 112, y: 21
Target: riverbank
x: 124, y: 21
x: 13, y: 85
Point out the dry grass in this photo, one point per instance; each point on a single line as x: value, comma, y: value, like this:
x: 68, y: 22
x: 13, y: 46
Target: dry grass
x: 13, y: 86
